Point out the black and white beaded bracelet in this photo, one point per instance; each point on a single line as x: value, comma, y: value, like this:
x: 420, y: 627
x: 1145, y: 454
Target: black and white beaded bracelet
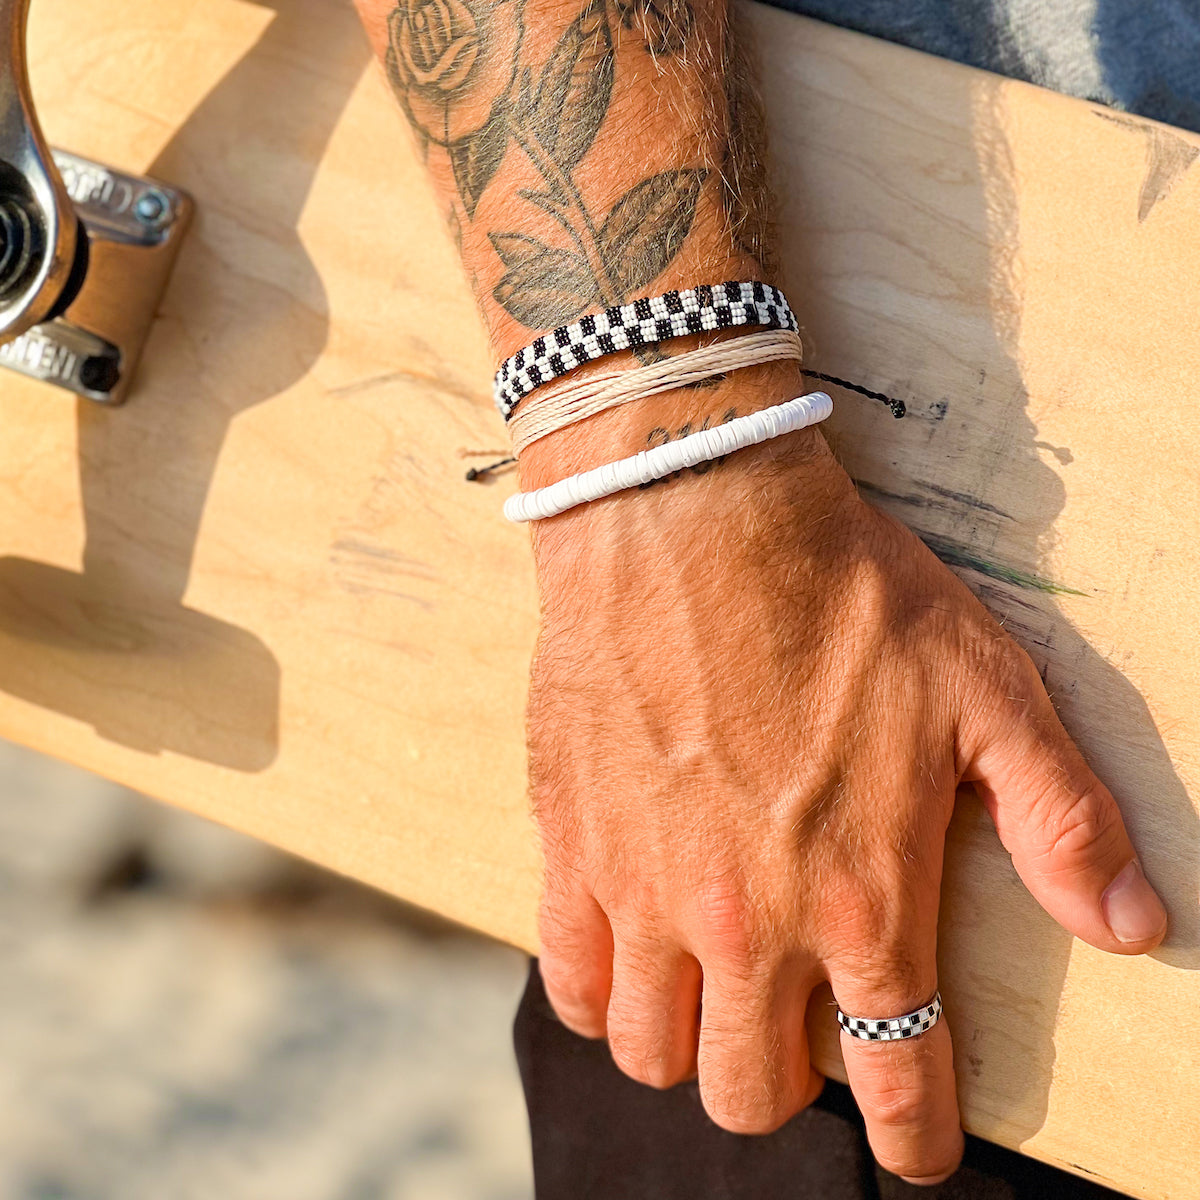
x: 639, y: 323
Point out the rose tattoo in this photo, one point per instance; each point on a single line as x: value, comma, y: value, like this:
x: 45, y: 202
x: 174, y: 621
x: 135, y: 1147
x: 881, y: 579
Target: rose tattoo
x: 451, y: 65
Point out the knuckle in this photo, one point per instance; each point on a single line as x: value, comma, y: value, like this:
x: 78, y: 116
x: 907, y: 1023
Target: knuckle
x: 580, y: 997
x: 1007, y: 665
x: 586, y: 1022
x: 988, y: 654
x: 726, y: 920
x: 890, y: 969
x: 632, y: 903
x: 1086, y: 826
x: 736, y: 1114
x: 633, y: 1041
x: 643, y: 1061
x: 743, y: 1090
x: 899, y: 1105
x: 584, y: 1025
x: 881, y: 945
x: 570, y: 924
x: 573, y: 969
x: 856, y: 914
x: 889, y: 989
x: 1001, y: 682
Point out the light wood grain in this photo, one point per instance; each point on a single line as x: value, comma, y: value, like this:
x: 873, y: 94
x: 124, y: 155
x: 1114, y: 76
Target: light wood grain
x: 264, y: 591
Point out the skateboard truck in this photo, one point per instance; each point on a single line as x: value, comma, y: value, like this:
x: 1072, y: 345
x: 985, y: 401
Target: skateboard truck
x: 85, y: 250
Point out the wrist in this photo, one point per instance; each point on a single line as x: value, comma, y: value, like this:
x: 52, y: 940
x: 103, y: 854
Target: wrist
x: 782, y: 490
x: 626, y: 429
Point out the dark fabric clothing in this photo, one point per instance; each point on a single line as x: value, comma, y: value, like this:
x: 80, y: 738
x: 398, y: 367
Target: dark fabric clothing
x: 598, y: 1135
x: 1141, y: 56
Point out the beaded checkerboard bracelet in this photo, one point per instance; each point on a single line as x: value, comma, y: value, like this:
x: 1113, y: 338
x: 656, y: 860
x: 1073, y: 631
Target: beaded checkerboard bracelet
x: 639, y: 323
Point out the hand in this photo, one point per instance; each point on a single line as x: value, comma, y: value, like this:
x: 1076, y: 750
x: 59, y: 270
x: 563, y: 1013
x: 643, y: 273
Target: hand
x: 753, y: 697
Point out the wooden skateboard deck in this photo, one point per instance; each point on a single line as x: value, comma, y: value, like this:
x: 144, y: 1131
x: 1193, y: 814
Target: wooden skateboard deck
x: 264, y: 590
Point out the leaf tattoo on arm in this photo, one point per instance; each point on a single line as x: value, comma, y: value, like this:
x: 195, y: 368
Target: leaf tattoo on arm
x: 477, y: 157
x: 647, y: 226
x: 556, y: 125
x: 575, y: 89
x: 542, y: 287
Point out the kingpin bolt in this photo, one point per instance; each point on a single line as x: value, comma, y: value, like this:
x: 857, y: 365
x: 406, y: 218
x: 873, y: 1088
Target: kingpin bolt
x: 153, y: 208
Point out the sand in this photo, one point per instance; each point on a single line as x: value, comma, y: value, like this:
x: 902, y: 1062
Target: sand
x: 189, y: 1015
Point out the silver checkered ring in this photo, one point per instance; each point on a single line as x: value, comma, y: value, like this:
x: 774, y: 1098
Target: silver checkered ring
x: 893, y: 1029
x: 639, y: 323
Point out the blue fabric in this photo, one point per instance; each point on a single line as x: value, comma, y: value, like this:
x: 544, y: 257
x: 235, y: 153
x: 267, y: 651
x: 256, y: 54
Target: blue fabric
x: 1140, y: 56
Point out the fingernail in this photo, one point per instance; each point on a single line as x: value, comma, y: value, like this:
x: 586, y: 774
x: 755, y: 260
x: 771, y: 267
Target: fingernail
x: 1132, y: 909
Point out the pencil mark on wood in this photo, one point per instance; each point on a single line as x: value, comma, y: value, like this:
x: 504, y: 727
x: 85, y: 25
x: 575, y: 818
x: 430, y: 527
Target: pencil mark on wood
x: 1168, y: 158
x: 966, y: 499
x: 361, y: 567
x: 427, y: 383
x: 955, y: 553
x: 941, y: 500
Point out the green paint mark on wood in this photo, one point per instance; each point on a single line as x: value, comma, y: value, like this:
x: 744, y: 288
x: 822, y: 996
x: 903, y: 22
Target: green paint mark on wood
x: 954, y: 555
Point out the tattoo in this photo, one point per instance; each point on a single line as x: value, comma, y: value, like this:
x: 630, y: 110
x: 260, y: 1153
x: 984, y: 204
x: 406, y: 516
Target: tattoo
x: 660, y: 437
x: 555, y: 121
x: 457, y: 68
x: 455, y: 226
x: 477, y: 157
x: 450, y: 61
x: 452, y: 64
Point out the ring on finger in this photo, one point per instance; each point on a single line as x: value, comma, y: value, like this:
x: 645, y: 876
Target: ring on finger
x: 892, y: 1029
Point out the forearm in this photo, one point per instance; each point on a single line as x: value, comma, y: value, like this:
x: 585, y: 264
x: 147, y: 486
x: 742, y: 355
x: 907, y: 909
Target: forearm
x: 587, y: 153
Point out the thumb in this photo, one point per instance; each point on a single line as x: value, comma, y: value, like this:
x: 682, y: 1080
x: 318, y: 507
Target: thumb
x: 1059, y: 822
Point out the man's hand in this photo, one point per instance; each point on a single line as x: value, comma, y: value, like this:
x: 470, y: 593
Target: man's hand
x: 752, y: 701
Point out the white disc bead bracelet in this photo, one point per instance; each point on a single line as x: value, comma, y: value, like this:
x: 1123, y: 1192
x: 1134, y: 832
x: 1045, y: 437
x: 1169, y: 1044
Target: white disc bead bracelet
x: 689, y: 451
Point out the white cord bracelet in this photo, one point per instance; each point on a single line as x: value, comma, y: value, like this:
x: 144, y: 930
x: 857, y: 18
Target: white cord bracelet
x: 663, y: 460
